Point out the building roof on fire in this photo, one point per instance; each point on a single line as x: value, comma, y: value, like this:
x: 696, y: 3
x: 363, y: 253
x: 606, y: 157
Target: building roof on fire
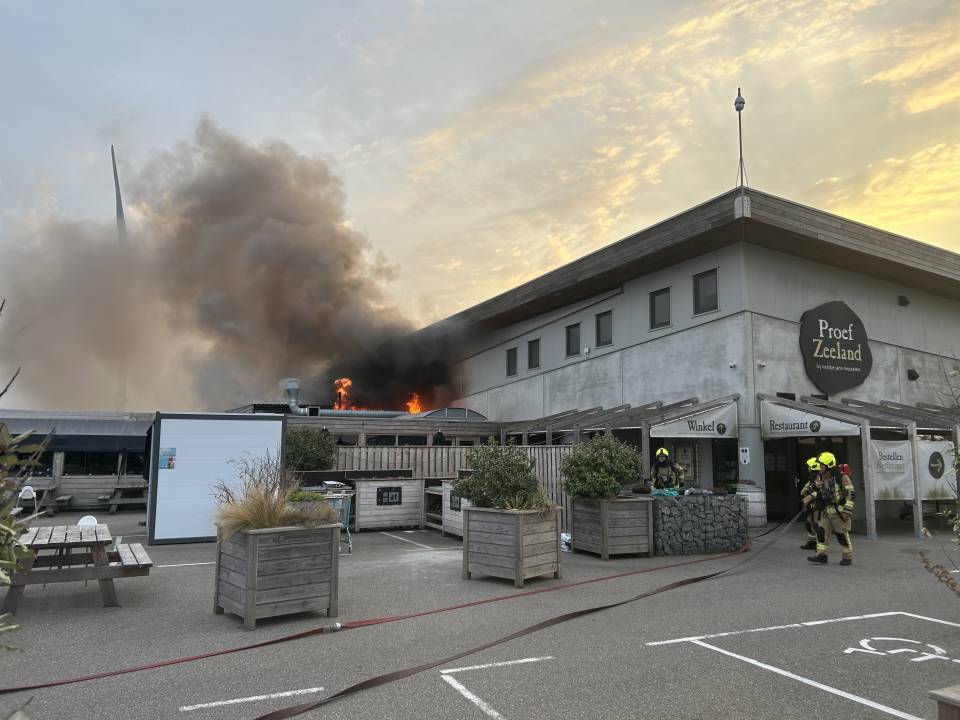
x: 774, y: 222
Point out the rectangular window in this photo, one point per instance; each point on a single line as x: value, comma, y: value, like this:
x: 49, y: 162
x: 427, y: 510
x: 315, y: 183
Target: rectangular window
x: 573, y: 340
x: 533, y: 354
x: 660, y: 308
x: 134, y: 463
x: 705, y: 292
x: 511, y: 362
x: 605, y: 328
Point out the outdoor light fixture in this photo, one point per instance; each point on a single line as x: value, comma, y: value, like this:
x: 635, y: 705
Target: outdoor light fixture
x: 912, y: 374
x: 761, y: 363
x: 903, y: 301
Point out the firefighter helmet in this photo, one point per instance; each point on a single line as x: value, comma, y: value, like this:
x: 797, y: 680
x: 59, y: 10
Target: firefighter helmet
x: 827, y: 459
x: 662, y: 451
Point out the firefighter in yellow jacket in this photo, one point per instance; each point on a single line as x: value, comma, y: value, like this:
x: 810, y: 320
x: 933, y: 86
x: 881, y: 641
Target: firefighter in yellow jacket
x: 833, y: 498
x: 811, y: 518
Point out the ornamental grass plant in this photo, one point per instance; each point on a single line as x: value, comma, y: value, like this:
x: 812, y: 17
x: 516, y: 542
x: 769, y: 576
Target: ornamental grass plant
x: 262, y: 499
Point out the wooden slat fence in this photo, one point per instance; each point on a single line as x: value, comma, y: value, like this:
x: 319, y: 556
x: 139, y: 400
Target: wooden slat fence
x: 429, y: 462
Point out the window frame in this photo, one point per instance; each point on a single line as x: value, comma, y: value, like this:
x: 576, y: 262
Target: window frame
x: 596, y: 328
x: 512, y: 353
x: 566, y: 337
x: 530, y: 345
x: 652, y: 303
x: 716, y: 280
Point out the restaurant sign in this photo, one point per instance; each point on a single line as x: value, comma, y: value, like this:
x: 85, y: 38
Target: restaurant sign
x: 782, y: 421
x: 833, y: 342
x: 717, y: 422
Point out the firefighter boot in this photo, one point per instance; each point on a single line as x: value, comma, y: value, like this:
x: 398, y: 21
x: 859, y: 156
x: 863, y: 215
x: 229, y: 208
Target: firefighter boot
x: 819, y: 558
x: 809, y: 545
x: 847, y: 561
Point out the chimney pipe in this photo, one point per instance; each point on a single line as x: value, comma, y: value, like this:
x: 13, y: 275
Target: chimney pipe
x: 292, y: 388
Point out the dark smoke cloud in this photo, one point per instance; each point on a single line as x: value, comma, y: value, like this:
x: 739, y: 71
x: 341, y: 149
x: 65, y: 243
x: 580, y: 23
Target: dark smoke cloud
x: 239, y: 270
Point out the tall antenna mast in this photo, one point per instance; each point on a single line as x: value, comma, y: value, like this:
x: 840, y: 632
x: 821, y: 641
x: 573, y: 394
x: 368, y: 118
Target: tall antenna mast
x: 121, y: 223
x: 738, y: 105
x: 742, y: 203
x: 123, y: 283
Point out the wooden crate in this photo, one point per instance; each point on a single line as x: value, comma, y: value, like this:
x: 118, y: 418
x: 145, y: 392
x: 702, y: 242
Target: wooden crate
x: 619, y: 526
x: 452, y: 518
x: 369, y: 510
x: 512, y: 544
x: 278, y: 571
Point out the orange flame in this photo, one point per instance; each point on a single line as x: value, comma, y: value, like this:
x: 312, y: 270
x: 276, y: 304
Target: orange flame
x: 342, y: 388
x: 413, y: 404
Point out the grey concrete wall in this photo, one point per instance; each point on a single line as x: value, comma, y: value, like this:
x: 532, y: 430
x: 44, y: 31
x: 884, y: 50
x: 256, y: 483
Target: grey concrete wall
x: 595, y: 377
x: 750, y: 345
x: 783, y: 286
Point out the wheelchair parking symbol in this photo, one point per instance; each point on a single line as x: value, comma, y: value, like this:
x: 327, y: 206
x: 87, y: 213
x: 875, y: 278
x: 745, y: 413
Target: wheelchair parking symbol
x: 918, y: 651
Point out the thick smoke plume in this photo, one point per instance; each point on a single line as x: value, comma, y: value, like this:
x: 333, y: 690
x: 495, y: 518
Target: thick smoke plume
x: 239, y: 270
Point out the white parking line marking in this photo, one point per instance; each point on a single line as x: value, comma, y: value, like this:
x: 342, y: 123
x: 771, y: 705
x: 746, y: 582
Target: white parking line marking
x: 806, y: 681
x: 397, y: 537
x: 809, y: 623
x: 252, y: 698
x: 486, y: 709
x: 212, y: 562
x: 930, y: 619
x: 497, y: 664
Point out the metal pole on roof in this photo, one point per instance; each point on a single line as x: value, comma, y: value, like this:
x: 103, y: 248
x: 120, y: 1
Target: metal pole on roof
x: 738, y: 104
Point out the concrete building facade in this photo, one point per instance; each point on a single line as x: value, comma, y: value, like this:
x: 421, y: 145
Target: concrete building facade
x: 738, y: 282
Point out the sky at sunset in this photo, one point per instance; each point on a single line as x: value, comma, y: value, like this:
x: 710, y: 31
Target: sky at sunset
x: 481, y: 144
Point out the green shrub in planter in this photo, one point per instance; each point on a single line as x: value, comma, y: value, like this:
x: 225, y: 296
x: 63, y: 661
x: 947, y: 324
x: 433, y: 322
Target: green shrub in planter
x: 306, y: 496
x: 600, y: 468
x: 502, y: 477
x: 308, y: 449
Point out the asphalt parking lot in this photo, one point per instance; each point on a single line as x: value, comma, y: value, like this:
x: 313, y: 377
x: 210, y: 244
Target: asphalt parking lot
x: 777, y: 638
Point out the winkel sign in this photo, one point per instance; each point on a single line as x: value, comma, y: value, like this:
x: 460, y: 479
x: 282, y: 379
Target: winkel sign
x: 715, y: 422
x: 833, y: 342
x: 782, y: 421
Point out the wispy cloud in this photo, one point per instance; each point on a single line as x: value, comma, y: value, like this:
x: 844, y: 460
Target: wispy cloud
x: 899, y: 193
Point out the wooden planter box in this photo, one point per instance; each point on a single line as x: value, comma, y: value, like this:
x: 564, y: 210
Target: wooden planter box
x: 512, y: 544
x: 452, y: 511
x: 619, y: 526
x: 388, y: 503
x: 278, y: 571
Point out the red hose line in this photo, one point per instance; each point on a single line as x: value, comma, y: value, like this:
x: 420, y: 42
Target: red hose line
x: 355, y: 624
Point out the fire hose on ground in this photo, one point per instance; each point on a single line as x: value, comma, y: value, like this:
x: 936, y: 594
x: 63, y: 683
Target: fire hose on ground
x: 295, y: 710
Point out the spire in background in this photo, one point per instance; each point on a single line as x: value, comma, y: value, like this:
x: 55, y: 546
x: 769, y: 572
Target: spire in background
x: 122, y: 372
x: 121, y: 223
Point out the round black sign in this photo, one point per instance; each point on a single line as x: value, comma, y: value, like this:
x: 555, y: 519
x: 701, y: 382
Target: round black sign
x: 721, y: 429
x: 936, y: 466
x: 814, y: 426
x: 833, y: 342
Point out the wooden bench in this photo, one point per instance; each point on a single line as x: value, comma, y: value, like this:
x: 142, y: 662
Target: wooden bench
x: 63, y: 501
x: 133, y: 556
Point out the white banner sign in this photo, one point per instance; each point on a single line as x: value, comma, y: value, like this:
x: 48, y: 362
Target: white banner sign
x: 778, y: 421
x: 715, y: 422
x: 892, y: 469
x: 938, y: 477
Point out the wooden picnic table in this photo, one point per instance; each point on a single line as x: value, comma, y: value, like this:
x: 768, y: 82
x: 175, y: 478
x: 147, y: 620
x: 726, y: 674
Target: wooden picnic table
x: 128, y: 491
x: 54, y: 560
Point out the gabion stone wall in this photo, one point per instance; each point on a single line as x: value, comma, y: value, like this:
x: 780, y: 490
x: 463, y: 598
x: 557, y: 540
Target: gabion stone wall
x: 697, y: 524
